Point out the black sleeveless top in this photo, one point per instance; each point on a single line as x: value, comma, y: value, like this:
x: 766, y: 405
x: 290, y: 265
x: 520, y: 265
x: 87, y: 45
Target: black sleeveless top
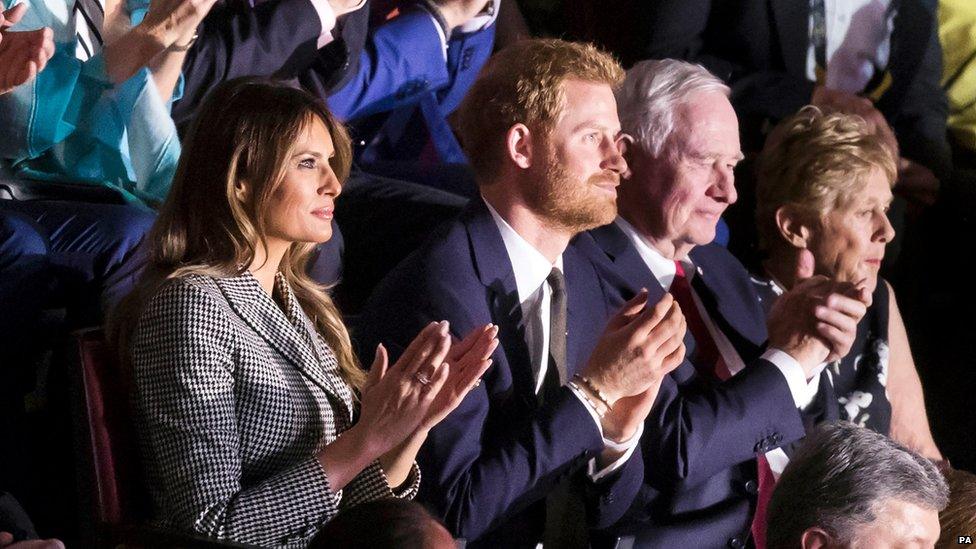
x: 860, y: 379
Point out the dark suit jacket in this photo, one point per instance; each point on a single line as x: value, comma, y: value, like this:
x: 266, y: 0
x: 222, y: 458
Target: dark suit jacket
x: 760, y: 48
x: 702, y: 438
x: 490, y: 464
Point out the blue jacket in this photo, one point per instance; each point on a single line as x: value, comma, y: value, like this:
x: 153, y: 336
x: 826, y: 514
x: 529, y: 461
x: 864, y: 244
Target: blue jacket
x: 403, y: 59
x: 702, y: 438
x: 489, y: 465
x: 72, y: 124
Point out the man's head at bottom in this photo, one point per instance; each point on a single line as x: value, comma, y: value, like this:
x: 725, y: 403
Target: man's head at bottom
x: 848, y: 486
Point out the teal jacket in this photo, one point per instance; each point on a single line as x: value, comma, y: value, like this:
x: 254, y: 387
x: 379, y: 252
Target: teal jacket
x: 72, y: 124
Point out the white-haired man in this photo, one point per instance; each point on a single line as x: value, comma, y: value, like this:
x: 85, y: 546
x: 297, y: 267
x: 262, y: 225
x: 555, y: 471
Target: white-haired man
x: 712, y: 442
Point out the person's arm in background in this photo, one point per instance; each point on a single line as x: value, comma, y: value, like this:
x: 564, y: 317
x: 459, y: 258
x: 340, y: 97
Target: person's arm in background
x: 22, y: 54
x: 920, y: 120
x: 909, y: 422
x: 419, y: 51
x: 166, y: 22
x: 271, y: 38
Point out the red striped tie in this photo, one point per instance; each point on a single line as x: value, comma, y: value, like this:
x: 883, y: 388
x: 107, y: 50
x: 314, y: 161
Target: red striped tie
x: 708, y: 359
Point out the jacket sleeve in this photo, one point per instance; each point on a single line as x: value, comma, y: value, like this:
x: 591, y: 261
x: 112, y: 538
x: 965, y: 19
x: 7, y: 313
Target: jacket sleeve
x: 920, y: 118
x: 87, y: 128
x: 237, y: 40
x: 402, y: 58
x: 184, y: 377
x: 697, y: 428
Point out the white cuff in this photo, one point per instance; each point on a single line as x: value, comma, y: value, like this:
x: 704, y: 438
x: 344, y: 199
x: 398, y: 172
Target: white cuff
x: 586, y: 404
x: 627, y: 446
x: 327, y: 17
x: 803, y: 392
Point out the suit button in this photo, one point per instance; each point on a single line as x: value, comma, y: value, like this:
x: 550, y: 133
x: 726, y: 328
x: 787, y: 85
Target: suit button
x: 608, y: 498
x: 777, y: 438
x: 736, y: 543
x: 751, y: 487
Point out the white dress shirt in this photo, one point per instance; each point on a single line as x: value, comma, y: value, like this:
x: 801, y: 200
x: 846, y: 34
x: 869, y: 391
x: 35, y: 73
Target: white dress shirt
x: 531, y: 270
x: 858, y: 42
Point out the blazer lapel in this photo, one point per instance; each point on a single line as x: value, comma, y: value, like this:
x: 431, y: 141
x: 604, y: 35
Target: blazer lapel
x: 627, y: 263
x: 586, y: 308
x: 632, y: 272
x: 494, y: 269
x: 259, y: 311
x: 317, y: 370
x: 730, y: 308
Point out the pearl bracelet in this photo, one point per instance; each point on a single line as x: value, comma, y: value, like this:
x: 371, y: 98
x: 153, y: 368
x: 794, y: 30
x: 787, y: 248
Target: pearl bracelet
x: 589, y: 385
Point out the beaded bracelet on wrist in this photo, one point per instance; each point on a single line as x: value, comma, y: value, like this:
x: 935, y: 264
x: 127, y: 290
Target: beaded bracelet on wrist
x: 597, y: 392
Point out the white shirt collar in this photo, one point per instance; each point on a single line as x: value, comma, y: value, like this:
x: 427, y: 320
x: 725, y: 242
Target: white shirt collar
x: 661, y: 267
x: 531, y: 268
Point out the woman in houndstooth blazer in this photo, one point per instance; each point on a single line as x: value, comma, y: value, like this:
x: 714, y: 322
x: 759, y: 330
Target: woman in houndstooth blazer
x: 244, y: 377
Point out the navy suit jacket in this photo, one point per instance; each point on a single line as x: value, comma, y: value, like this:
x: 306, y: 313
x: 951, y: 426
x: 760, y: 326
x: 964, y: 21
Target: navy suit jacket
x: 702, y: 437
x: 489, y: 465
x: 760, y: 48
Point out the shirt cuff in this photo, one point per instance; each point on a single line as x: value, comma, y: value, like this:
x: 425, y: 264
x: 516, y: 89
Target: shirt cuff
x: 628, y: 447
x: 803, y: 392
x: 589, y: 408
x: 327, y: 17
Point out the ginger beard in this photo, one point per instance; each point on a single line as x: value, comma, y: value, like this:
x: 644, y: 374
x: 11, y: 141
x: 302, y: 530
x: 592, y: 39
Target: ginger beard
x: 569, y: 202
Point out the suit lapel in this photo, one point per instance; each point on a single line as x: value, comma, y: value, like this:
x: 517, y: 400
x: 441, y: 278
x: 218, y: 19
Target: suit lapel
x: 494, y: 270
x: 630, y: 272
x: 729, y: 307
x: 792, y: 19
x: 627, y: 263
x: 259, y: 311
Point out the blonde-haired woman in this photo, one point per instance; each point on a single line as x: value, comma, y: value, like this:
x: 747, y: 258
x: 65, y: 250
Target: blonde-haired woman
x: 244, y: 376
x: 823, y: 193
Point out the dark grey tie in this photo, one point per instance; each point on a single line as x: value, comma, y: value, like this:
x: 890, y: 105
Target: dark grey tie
x: 557, y: 325
x: 565, y: 510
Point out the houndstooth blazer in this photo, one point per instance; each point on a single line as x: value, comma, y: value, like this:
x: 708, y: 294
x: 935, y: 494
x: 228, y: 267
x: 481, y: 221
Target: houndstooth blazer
x: 233, y: 396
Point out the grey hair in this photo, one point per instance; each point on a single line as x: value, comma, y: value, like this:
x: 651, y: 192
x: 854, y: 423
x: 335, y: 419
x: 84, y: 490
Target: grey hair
x: 651, y: 94
x: 839, y: 479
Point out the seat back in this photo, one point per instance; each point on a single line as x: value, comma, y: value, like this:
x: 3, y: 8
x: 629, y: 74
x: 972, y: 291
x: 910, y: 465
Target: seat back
x: 13, y: 188
x: 107, y: 454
